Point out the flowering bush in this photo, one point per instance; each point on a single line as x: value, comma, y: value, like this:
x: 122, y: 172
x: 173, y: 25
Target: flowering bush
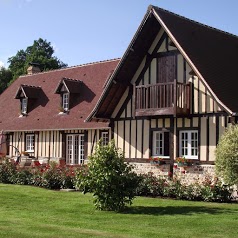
x: 7, y: 171
x: 149, y: 185
x: 52, y: 176
x: 155, y: 159
x: 115, y: 180
x: 211, y: 190
x: 181, y: 160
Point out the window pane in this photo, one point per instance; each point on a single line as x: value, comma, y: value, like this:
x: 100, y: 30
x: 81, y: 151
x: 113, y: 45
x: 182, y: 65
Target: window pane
x: 30, y: 140
x: 105, y: 138
x: 159, y: 143
x: 24, y: 105
x: 189, y: 144
x: 65, y: 101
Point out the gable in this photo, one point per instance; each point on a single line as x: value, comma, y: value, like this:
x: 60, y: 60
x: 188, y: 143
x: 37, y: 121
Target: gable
x: 165, y: 66
x: 200, y: 45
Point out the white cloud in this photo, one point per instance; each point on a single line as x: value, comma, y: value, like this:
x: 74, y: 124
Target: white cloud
x: 1, y: 64
x: 55, y: 48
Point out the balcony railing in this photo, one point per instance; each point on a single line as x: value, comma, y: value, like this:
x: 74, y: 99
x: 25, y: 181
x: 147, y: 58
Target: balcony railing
x: 171, y: 98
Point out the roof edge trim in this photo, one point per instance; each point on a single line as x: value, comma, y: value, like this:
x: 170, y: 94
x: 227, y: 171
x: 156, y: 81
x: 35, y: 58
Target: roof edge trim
x: 95, y: 109
x: 60, y: 129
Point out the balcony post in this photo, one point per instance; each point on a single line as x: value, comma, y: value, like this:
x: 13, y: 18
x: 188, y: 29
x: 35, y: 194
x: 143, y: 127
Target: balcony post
x: 134, y: 101
x: 175, y: 97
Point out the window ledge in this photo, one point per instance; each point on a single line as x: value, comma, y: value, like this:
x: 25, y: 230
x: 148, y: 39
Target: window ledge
x: 161, y: 156
x: 63, y: 112
x: 23, y: 115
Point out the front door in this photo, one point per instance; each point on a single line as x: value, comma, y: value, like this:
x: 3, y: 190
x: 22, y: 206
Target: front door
x: 75, y: 149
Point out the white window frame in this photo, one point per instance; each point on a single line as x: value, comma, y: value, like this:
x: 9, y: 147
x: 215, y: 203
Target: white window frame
x: 189, y: 142
x: 161, y: 144
x: 65, y: 101
x: 105, y: 137
x: 75, y: 149
x: 30, y: 143
x: 24, y: 105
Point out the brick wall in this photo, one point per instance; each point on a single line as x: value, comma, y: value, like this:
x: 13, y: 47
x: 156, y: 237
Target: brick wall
x: 190, y: 174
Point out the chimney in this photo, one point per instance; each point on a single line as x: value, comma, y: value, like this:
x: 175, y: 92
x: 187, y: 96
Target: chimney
x: 33, y: 68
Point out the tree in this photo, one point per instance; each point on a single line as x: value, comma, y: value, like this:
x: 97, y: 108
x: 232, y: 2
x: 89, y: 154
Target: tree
x: 40, y: 52
x: 227, y: 156
x: 5, y: 78
x: 109, y: 178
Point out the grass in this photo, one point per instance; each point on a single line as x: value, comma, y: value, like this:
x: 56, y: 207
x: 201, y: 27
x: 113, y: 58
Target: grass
x: 35, y: 212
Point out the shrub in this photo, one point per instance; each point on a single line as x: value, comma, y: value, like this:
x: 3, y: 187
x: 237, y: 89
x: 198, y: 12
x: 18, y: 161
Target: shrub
x: 227, y: 156
x: 150, y: 185
x: 109, y: 178
x: 22, y: 177
x: 211, y: 190
x: 174, y: 189
x: 7, y: 171
x: 53, y: 176
x: 215, y: 191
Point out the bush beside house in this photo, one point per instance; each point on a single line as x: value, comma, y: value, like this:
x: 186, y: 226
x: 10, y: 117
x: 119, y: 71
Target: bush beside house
x: 227, y: 156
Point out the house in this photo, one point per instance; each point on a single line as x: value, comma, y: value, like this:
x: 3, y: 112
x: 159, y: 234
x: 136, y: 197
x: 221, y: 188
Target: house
x: 172, y: 94
x: 43, y: 113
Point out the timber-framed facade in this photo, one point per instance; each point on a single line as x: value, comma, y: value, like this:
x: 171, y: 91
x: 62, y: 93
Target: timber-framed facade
x: 171, y: 102
x: 45, y: 113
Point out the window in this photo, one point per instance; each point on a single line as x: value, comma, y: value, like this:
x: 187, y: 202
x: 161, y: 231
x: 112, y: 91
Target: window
x: 161, y: 143
x: 104, y: 138
x: 65, y: 101
x: 188, y: 144
x: 24, y: 105
x: 30, y: 142
x: 75, y: 149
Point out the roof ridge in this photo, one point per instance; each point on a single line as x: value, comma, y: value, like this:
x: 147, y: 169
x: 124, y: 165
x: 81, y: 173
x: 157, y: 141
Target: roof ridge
x: 31, y: 86
x: 71, y: 67
x: 73, y: 80
x: 194, y: 21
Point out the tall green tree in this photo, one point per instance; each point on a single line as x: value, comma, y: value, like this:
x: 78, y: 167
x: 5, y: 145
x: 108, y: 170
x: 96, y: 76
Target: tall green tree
x: 40, y: 52
x: 5, y: 78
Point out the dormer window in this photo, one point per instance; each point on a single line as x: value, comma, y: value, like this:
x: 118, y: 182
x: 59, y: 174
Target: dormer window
x: 68, y: 89
x: 27, y: 95
x: 65, y: 101
x: 24, y: 105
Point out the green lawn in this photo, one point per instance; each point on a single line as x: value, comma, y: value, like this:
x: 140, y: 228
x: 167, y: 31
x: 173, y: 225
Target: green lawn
x: 35, y: 212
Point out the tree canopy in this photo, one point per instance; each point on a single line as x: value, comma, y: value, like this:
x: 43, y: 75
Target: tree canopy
x: 5, y: 78
x: 40, y: 52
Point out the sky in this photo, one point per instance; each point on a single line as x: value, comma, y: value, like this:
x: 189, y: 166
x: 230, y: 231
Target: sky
x: 84, y: 31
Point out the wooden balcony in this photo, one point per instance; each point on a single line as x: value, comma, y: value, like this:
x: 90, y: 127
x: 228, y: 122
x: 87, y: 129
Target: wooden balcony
x: 171, y: 98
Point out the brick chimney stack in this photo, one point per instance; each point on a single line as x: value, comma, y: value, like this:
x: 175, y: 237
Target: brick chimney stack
x: 33, y: 68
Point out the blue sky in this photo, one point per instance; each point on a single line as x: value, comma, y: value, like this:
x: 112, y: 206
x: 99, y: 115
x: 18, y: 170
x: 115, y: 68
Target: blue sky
x: 84, y: 31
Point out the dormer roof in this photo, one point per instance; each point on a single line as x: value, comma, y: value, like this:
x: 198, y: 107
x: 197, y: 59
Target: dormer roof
x: 69, y: 85
x: 28, y: 91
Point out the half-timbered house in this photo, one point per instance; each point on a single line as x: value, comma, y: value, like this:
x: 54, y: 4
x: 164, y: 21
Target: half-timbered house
x: 43, y: 113
x: 173, y: 93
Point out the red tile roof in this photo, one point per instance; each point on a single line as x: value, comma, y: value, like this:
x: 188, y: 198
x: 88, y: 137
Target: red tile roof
x: 45, y: 112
